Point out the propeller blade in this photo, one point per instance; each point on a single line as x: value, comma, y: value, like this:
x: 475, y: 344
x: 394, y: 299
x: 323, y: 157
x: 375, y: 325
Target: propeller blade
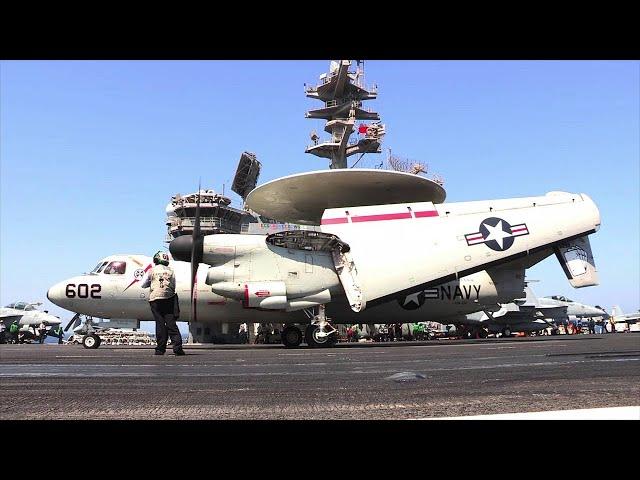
x: 197, y: 242
x: 75, y: 318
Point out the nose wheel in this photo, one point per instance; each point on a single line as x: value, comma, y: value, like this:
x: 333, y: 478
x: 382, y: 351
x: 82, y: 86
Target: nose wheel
x: 91, y: 341
x: 321, y: 333
x: 315, y: 337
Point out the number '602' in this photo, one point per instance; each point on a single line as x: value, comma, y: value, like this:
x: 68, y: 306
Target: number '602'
x: 82, y: 290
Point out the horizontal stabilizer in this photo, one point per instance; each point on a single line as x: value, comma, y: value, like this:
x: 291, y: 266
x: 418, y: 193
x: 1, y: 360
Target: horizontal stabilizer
x: 576, y: 260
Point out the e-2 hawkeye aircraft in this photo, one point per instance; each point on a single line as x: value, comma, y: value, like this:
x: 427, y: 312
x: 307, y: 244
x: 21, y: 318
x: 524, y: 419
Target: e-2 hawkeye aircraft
x: 412, y: 261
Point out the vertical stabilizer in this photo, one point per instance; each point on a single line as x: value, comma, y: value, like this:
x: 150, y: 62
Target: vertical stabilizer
x: 617, y: 311
x: 531, y: 298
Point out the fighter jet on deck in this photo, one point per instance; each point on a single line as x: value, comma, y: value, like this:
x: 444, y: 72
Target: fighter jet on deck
x: 574, y: 309
x: 527, y: 314
x: 620, y: 317
x: 29, y: 318
x: 27, y: 314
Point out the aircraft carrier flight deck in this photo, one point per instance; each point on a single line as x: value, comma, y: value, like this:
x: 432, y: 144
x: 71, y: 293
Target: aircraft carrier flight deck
x: 364, y: 381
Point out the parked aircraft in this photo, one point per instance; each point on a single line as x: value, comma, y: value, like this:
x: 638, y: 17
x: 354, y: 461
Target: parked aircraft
x: 620, y: 317
x: 29, y: 318
x: 28, y: 315
x: 527, y: 314
x: 574, y: 309
x: 117, y: 289
x: 395, y: 257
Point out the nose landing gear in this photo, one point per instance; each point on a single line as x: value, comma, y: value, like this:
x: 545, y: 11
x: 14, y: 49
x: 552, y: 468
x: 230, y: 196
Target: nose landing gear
x: 91, y: 341
x: 320, y: 333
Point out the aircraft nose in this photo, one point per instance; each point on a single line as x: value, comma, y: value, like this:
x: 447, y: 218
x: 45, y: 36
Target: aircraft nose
x: 53, y: 320
x: 56, y: 294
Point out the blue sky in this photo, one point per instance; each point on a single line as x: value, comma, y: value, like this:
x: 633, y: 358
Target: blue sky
x: 92, y: 151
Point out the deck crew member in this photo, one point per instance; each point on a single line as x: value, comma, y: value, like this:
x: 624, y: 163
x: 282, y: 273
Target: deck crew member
x: 164, y: 304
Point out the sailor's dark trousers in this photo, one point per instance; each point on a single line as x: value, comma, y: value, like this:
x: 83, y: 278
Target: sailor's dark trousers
x: 166, y: 311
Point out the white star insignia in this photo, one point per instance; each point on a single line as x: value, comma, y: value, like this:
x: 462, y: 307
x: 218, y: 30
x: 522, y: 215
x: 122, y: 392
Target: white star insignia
x: 496, y: 233
x: 412, y: 298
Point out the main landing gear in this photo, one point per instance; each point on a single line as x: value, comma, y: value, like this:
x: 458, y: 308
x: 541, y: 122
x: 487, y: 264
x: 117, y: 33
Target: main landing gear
x: 320, y: 333
x: 291, y: 336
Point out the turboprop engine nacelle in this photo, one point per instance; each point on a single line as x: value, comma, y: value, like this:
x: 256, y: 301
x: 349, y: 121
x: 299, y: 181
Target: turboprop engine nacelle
x: 269, y: 295
x: 268, y: 272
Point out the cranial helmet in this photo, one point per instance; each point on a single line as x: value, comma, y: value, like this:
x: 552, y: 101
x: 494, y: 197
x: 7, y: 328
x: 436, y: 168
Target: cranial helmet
x: 161, y: 258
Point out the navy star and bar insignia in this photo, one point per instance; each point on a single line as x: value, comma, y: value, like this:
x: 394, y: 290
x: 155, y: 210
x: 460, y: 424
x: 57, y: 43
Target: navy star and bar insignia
x: 496, y: 233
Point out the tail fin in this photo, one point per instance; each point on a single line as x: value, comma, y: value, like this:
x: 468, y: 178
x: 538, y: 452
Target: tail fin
x: 616, y: 311
x: 532, y: 299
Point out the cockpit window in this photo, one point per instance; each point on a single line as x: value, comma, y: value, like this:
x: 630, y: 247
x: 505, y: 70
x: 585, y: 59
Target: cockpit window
x: 97, y: 267
x: 21, y: 306
x: 104, y: 264
x: 561, y: 298
x: 116, y: 268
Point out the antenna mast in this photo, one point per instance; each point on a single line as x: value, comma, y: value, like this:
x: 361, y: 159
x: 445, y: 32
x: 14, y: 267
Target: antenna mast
x: 342, y: 92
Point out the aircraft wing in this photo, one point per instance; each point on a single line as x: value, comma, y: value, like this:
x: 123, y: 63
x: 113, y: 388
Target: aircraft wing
x: 395, y: 250
x: 576, y: 260
x: 10, y: 314
x: 515, y: 319
x: 559, y: 312
x: 511, y: 317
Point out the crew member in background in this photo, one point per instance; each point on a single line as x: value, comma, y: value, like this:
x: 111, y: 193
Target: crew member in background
x: 243, y: 334
x: 164, y: 304
x: 14, y: 330
x: 58, y: 333
x: 42, y: 332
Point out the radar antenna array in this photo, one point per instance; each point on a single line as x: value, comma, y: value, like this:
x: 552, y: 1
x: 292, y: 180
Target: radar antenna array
x: 405, y: 165
x: 247, y: 174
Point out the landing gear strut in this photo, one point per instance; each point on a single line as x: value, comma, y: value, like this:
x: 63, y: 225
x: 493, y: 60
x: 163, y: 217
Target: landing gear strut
x: 321, y: 333
x: 315, y: 337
